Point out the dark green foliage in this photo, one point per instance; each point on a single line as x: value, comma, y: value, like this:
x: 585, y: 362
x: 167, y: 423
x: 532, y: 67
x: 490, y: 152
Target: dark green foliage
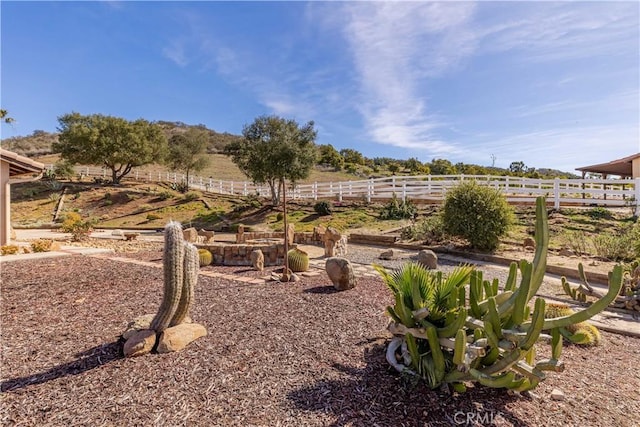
x: 398, y: 209
x: 273, y: 150
x: 430, y: 230
x: 327, y: 155
x: 322, y: 208
x: 113, y: 142
x: 181, y: 187
x: 478, y: 214
x: 186, y: 152
x: 599, y: 213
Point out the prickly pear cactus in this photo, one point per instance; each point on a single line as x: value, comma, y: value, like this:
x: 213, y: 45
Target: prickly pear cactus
x: 298, y: 260
x: 445, y: 336
x: 180, y: 264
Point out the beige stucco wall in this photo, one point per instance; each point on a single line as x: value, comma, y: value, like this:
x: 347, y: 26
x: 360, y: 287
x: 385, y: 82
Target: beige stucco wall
x: 635, y: 168
x: 5, y: 204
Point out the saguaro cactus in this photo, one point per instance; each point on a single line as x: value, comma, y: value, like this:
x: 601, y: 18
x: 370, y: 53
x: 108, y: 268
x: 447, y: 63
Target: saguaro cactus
x: 447, y: 337
x: 180, y: 262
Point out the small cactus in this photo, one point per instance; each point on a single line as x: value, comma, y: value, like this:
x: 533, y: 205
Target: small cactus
x: 204, y: 257
x: 583, y: 333
x: 298, y: 260
x: 180, y: 265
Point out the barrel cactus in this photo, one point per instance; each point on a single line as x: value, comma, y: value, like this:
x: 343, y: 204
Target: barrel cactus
x: 583, y: 333
x: 446, y: 336
x: 180, y: 265
x: 298, y: 260
x: 205, y: 257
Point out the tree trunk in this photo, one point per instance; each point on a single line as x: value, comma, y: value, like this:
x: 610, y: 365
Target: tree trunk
x: 115, y: 179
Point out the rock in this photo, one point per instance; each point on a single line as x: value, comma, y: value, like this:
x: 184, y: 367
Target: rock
x: 335, y: 244
x: 566, y: 252
x: 240, y: 234
x: 190, y: 235
x: 178, y: 337
x: 208, y: 235
x: 388, y: 254
x: 118, y: 233
x: 257, y: 259
x: 557, y: 394
x: 12, y: 234
x: 139, y: 343
x: 291, y: 232
x: 340, y: 271
x: 318, y: 233
x: 529, y: 243
x: 428, y: 258
x: 141, y: 323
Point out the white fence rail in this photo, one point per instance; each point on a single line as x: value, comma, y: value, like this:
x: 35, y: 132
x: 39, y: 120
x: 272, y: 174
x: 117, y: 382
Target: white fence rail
x: 423, y: 188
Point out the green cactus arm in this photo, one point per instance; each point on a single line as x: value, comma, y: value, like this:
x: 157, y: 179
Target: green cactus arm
x: 507, y: 360
x: 500, y: 298
x: 436, y: 354
x: 522, y: 297
x: 412, y: 346
x: 537, y: 320
x: 552, y: 365
x: 556, y: 343
x: 529, y: 371
x: 475, y: 293
x: 493, y: 317
x: 615, y: 283
x: 173, y: 265
x: 542, y: 245
x: 511, y: 278
x: 190, y: 278
x: 457, y: 324
x: 460, y: 347
x: 498, y: 381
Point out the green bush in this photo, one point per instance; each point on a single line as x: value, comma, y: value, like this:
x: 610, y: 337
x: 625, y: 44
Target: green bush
x: 74, y: 224
x: 478, y: 214
x: 599, y: 213
x: 398, y: 209
x: 166, y: 194
x: 618, y: 247
x: 322, y: 208
x: 152, y: 216
x: 430, y: 230
x: 191, y: 196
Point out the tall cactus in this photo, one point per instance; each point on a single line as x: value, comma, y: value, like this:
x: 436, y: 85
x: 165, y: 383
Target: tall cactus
x: 180, y: 265
x: 447, y: 338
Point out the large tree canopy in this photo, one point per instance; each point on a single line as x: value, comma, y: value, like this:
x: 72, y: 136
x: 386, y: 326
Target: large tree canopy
x: 275, y: 150
x: 187, y: 151
x: 112, y: 142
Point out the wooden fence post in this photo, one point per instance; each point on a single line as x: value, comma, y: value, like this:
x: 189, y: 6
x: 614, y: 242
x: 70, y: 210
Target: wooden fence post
x: 556, y: 193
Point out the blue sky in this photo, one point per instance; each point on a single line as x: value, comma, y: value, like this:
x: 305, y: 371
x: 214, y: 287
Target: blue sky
x: 551, y: 84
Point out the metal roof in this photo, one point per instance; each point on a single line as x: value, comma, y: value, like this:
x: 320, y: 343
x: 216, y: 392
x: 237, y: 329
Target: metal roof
x: 621, y: 167
x: 20, y: 165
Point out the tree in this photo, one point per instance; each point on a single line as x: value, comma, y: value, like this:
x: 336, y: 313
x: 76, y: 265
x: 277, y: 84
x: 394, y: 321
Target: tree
x: 274, y: 150
x: 108, y: 141
x: 187, y: 150
x: 442, y: 167
x: 518, y: 168
x: 352, y: 156
x: 4, y: 116
x: 330, y: 156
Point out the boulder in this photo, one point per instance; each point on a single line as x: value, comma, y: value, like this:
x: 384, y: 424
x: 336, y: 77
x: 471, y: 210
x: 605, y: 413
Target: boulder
x: 178, y: 337
x: 566, y: 252
x: 257, y: 259
x: 335, y: 244
x: 318, y: 233
x: 291, y: 232
x: 207, y: 234
x: 428, y: 258
x: 340, y: 271
x: 139, y: 343
x: 190, y: 235
x: 118, y: 233
x: 388, y: 254
x: 529, y: 243
x: 142, y: 322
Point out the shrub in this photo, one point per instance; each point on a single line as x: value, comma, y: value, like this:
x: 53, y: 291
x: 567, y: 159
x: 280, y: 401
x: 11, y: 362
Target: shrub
x: 191, y: 196
x: 599, y: 213
x: 181, y: 187
x: 63, y: 169
x: 54, y: 197
x: 74, y: 224
x: 398, y: 209
x: 279, y: 216
x: 166, y: 194
x: 143, y: 208
x: 9, y: 249
x: 322, y: 208
x: 577, y: 242
x: 152, y: 216
x: 41, y: 245
x: 478, y: 214
x: 617, y: 247
x: 430, y: 229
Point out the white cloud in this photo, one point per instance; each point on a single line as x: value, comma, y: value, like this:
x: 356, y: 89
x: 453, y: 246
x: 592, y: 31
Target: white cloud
x: 396, y: 47
x: 175, y: 51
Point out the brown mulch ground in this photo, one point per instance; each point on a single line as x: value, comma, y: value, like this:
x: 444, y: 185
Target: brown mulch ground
x: 276, y: 354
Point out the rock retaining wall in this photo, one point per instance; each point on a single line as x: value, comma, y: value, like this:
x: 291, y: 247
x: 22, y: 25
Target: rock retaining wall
x: 240, y: 254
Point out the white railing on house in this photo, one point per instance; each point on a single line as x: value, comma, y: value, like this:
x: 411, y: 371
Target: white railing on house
x: 422, y: 188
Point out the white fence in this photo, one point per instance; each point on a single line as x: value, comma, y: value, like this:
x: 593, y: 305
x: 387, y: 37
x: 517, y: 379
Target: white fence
x: 423, y: 188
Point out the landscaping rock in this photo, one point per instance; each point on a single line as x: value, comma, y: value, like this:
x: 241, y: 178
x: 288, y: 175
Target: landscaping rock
x: 118, y: 233
x: 388, y: 255
x: 257, y: 259
x: 340, y: 271
x: 428, y: 258
x: 190, y: 235
x: 529, y: 243
x: 566, y: 252
x: 139, y: 343
x: 557, y: 394
x: 142, y: 322
x: 207, y: 234
x: 178, y: 337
